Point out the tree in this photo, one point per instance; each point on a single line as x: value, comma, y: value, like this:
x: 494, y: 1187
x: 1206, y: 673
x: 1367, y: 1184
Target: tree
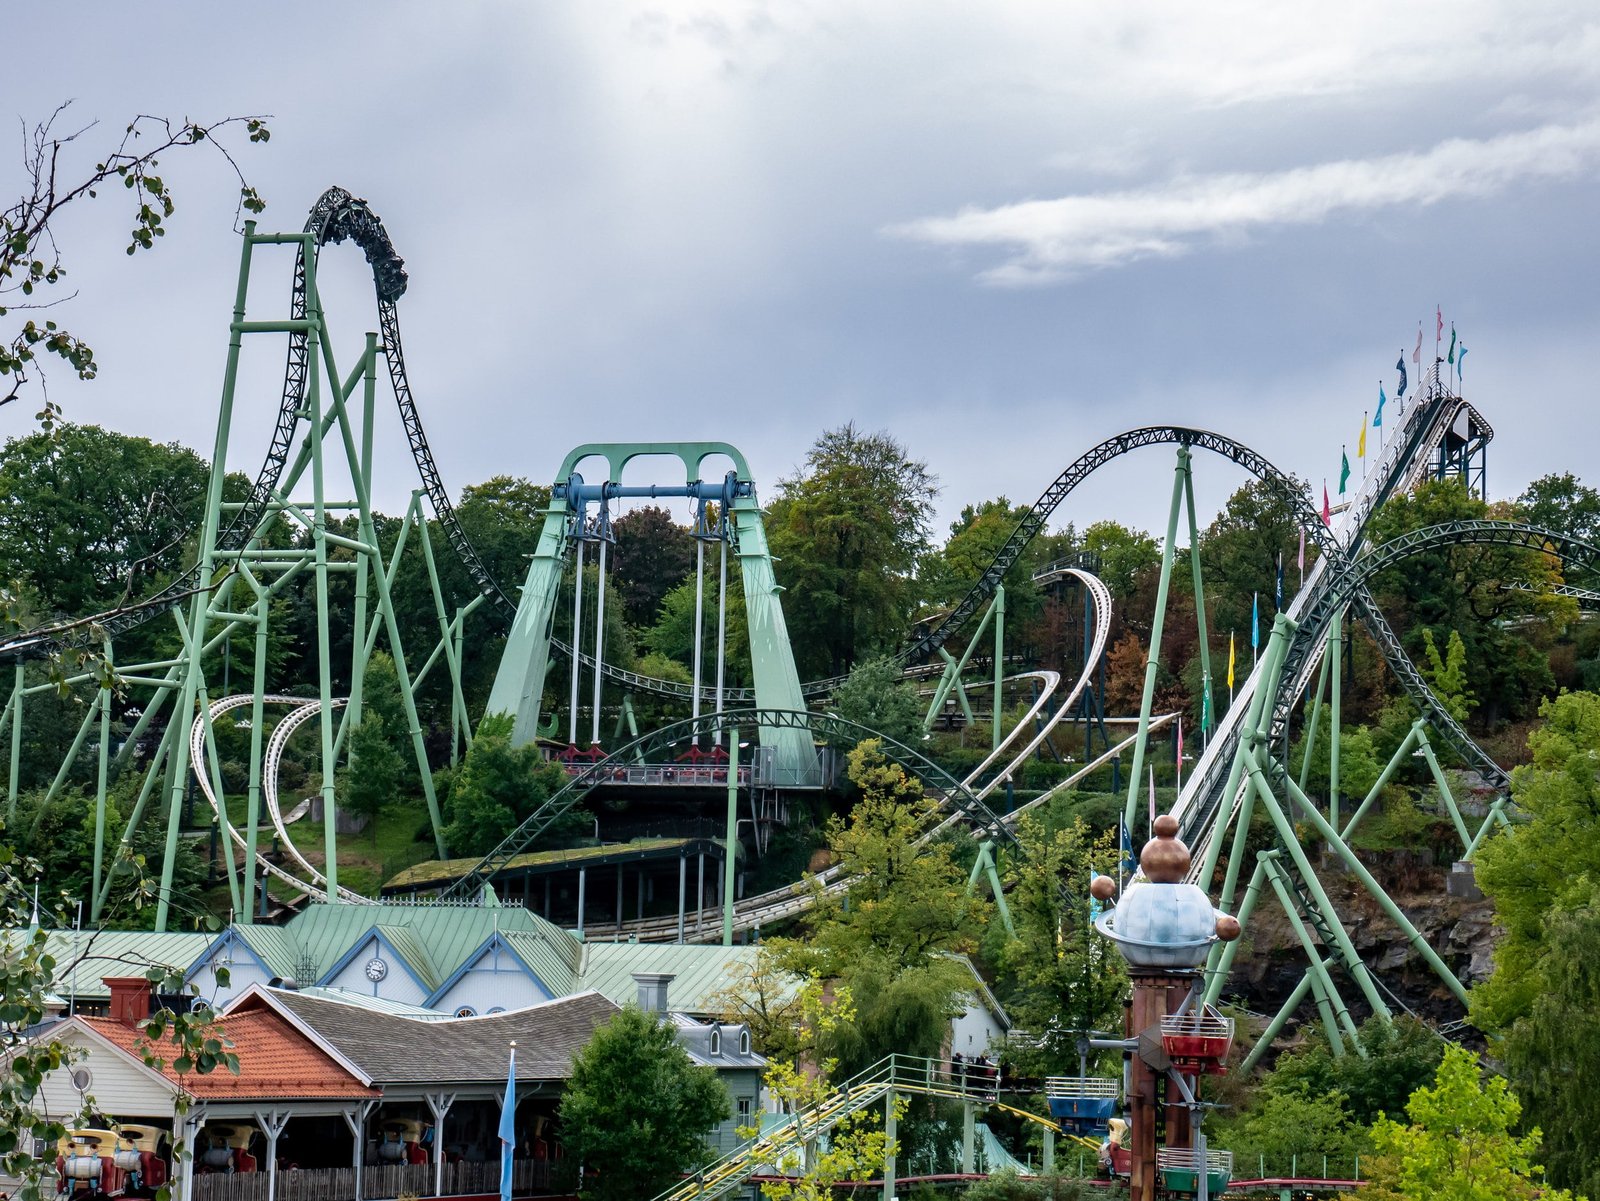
x: 637, y: 1109
x: 875, y: 696
x: 1552, y: 1053
x: 1240, y: 551
x: 1459, y: 1144
x: 1289, y: 1131
x: 847, y: 533
x: 1401, y: 1055
x: 190, y: 1040
x: 1058, y: 977
x: 499, y: 785
x: 30, y: 256
x: 784, y: 1012
x: 1545, y: 865
x: 1561, y: 503
x: 375, y: 773
x: 1125, y: 554
x: 652, y: 556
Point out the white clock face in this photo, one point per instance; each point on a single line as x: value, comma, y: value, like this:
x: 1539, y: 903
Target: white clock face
x: 376, y: 969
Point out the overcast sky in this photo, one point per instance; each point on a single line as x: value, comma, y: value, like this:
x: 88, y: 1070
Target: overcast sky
x: 1000, y: 231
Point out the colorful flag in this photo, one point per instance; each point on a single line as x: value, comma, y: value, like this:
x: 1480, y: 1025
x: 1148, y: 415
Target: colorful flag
x: 1180, y: 752
x: 1416, y: 355
x: 1302, y: 557
x: 1438, y: 332
x: 1205, y: 708
x: 1361, y: 442
x: 508, y: 1126
x: 1125, y: 845
x: 1461, y: 362
x: 1451, y: 359
x: 1344, y: 467
x: 1400, y: 365
x: 1327, y: 511
x: 1255, y: 620
x: 1152, y: 798
x: 1377, y: 418
x: 1279, y: 595
x: 1230, y: 663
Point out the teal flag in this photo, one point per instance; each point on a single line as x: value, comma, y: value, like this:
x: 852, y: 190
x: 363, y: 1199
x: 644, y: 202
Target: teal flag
x: 1344, y: 469
x: 1255, y: 620
x: 1451, y: 357
x: 1377, y: 418
x: 1461, y: 364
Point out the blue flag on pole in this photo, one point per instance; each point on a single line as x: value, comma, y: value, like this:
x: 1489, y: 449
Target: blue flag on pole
x: 1125, y: 845
x: 508, y: 1126
x: 1400, y: 365
x: 1278, y: 602
x: 1377, y: 418
x: 1461, y: 360
x: 1255, y: 620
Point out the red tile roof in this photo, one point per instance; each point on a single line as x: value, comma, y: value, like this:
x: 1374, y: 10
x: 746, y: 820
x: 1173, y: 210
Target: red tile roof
x: 275, y: 1061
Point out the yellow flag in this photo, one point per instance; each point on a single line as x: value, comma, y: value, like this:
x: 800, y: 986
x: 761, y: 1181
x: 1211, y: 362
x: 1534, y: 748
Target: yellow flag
x: 1361, y: 447
x: 1230, y: 662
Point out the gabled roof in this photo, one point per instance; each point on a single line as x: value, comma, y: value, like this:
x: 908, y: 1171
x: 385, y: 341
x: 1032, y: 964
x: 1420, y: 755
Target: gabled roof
x: 519, y: 946
x: 392, y: 1050
x: 270, y: 946
x: 85, y: 957
x: 276, y: 1061
x: 554, y: 963
x: 699, y: 972
x: 399, y: 1009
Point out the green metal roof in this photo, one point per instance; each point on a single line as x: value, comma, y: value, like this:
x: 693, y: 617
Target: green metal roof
x: 437, y: 872
x: 554, y: 961
x: 275, y: 945
x: 698, y: 971
x: 85, y: 957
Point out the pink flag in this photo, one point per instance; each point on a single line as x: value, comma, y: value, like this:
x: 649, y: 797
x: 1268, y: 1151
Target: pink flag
x: 1438, y: 314
x: 1416, y: 355
x: 1327, y: 511
x: 1180, y: 752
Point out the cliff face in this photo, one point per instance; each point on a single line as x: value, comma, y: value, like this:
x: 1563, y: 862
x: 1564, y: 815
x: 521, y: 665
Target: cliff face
x: 1459, y: 928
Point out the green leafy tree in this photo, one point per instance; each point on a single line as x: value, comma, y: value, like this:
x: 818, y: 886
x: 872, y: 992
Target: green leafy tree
x: 1552, y: 1053
x: 652, y: 556
x: 1401, y: 1055
x: 1547, y: 864
x: 637, y: 1109
x: 1459, y: 1144
x: 1125, y: 555
x: 875, y: 696
x: 375, y: 774
x: 1290, y: 1131
x: 498, y: 786
x: 1561, y: 503
x: 1240, y: 551
x: 1058, y: 977
x: 672, y: 635
x: 847, y: 532
x: 1447, y: 674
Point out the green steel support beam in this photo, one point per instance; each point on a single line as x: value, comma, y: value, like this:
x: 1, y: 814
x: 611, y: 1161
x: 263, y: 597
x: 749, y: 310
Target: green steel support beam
x: 163, y: 755
x: 226, y: 828
x: 252, y: 815
x: 101, y: 778
x: 1444, y: 790
x: 1217, y: 973
x: 1336, y: 652
x: 1276, y: 1025
x: 451, y: 644
x: 1389, y: 768
x: 730, y: 850
x: 1395, y: 914
x: 951, y: 676
x: 16, y: 742
x: 1496, y: 812
x: 69, y: 760
x: 1199, y: 600
x: 1230, y: 790
x: 1153, y: 661
x: 1329, y: 1003
x: 1316, y: 717
x: 999, y: 657
x: 358, y: 637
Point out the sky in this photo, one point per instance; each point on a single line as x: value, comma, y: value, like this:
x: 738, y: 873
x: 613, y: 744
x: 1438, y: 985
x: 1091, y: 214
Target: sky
x: 1001, y: 232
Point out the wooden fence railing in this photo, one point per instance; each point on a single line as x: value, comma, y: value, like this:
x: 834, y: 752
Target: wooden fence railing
x: 378, y: 1181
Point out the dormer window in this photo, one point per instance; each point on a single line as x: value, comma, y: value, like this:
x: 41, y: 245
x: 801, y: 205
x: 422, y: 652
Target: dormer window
x: 716, y: 1041
x: 744, y: 1042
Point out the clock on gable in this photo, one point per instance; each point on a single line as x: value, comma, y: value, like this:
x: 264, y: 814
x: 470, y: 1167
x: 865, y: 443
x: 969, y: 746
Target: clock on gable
x: 376, y: 969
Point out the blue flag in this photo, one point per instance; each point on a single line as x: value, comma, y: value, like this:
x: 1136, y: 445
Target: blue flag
x: 1377, y: 418
x: 1255, y: 620
x: 508, y: 1126
x: 1279, y: 595
x: 1461, y: 360
x: 1125, y: 843
x: 1401, y: 365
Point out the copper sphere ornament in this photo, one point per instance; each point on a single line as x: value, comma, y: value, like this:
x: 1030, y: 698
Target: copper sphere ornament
x: 1227, y: 927
x: 1165, y: 860
x: 1102, y: 888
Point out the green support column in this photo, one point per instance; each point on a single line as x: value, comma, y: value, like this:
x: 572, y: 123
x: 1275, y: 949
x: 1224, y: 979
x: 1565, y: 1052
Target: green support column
x: 1316, y: 716
x: 1199, y: 599
x: 1275, y: 1027
x: 1329, y: 1004
x: 1048, y: 1162
x: 16, y: 742
x: 890, y: 1131
x: 1444, y: 789
x: 730, y: 852
x: 101, y: 778
x: 163, y: 753
x: 1153, y: 663
x: 1222, y: 963
x: 1335, y: 652
x: 969, y: 1137
x: 999, y: 656
x: 358, y: 661
x: 1395, y: 760
x: 252, y: 813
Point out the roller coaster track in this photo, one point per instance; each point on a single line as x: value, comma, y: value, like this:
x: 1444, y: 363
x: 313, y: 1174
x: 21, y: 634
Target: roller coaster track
x: 303, y: 710
x: 785, y: 1144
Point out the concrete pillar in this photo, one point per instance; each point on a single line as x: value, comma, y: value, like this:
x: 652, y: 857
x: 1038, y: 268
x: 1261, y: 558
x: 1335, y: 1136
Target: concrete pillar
x: 969, y: 1137
x: 683, y: 891
x: 890, y: 1123
x: 619, y: 897
x: 583, y: 880
x: 1049, y: 1163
